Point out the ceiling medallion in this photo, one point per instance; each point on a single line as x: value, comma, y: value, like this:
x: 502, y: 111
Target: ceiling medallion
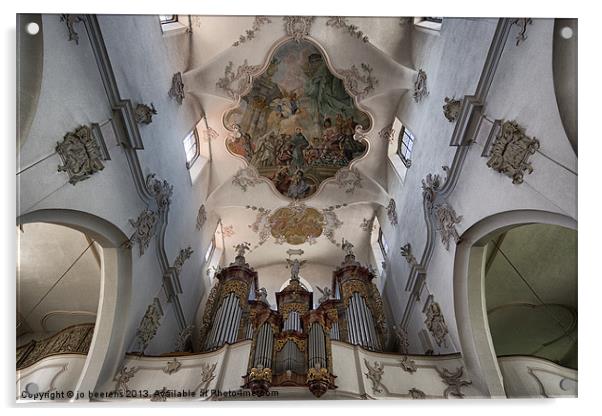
x: 297, y: 123
x: 298, y: 26
x: 296, y: 224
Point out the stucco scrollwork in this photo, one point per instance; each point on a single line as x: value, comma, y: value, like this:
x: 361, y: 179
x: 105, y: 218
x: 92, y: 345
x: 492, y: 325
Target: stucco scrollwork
x: 160, y: 190
x: 403, y: 343
x: 407, y: 364
x: 367, y: 225
x: 207, y: 374
x: 298, y: 27
x: 392, y: 212
x: 149, y: 324
x: 522, y: 24
x: 201, y: 217
x: 375, y: 374
x: 184, y: 255
x: 357, y: 84
x: 435, y: 323
x: 451, y: 109
x: 454, y: 381
x: 172, y: 366
x: 177, y: 88
x: 446, y: 220
x: 341, y: 23
x: 144, y: 229
x: 144, y: 114
x: 387, y: 133
x: 420, y: 88
x: 80, y: 154
x: 416, y: 394
x: 406, y: 252
x: 181, y: 343
x: 250, y: 33
x: 511, y: 150
x: 70, y: 21
x: 246, y: 177
x: 122, y: 378
x: 348, y: 179
x: 235, y: 84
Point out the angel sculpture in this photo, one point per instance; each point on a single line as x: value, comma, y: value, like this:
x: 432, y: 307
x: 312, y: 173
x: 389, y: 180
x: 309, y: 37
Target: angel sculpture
x: 326, y: 294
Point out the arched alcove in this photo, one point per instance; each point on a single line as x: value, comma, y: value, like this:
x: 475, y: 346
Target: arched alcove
x: 108, y: 340
x: 470, y: 264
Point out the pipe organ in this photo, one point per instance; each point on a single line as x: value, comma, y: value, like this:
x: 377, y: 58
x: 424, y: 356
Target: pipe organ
x: 291, y: 345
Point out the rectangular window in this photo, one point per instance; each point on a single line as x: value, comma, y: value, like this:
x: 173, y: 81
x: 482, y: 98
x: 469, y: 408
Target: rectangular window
x: 168, y: 18
x: 384, y: 248
x: 405, y: 143
x: 191, y: 147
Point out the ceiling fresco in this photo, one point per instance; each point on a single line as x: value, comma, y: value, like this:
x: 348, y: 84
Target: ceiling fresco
x: 296, y: 125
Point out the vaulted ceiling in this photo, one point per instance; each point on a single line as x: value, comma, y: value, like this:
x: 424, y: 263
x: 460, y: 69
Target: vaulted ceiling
x: 372, y: 57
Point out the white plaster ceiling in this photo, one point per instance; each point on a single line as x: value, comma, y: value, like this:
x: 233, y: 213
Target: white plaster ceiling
x: 387, y: 52
x: 45, y: 253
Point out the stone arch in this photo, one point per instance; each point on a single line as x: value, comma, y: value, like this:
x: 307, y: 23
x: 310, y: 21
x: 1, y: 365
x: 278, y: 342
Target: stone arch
x: 469, y: 292
x: 109, y: 341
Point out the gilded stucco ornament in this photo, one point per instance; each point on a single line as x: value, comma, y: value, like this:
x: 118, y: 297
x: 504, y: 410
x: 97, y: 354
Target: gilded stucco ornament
x: 122, y: 378
x: 348, y: 179
x: 246, y: 177
x: 392, y: 212
x: 341, y: 23
x: 298, y: 27
x: 408, y: 365
x: 172, y: 366
x: 80, y: 154
x: 149, y: 324
x: 375, y: 374
x: 237, y: 84
x: 250, y: 33
x: 435, y: 323
x: 420, y: 89
x: 511, y: 150
x: 177, y: 88
x: 144, y: 114
x: 358, y: 84
x: 144, y: 229
x: 451, y: 109
x: 201, y: 217
x: 406, y: 252
x: 446, y: 220
x: 454, y: 380
x: 70, y: 21
x: 160, y: 190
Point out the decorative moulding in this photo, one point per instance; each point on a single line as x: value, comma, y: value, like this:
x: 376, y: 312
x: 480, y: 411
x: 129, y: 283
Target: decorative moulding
x: 70, y: 21
x: 392, y: 212
x: 177, y: 88
x: 80, y: 153
x: 454, y: 381
x: 122, y: 378
x: 236, y: 84
x: 144, y: 113
x: 348, y: 179
x: 360, y: 85
x: 522, y: 23
x: 509, y: 150
x: 246, y: 177
x: 451, y: 109
x: 149, y: 324
x: 375, y: 374
x: 181, y: 343
x: 367, y: 225
x: 341, y: 23
x: 420, y: 88
x: 201, y: 217
x: 408, y: 365
x: 144, y: 230
x: 406, y: 252
x: 298, y: 27
x: 250, y: 33
x: 387, y: 133
x: 416, y: 394
x: 160, y: 190
x: 403, y: 342
x: 435, y: 322
x: 172, y: 366
x: 447, y: 219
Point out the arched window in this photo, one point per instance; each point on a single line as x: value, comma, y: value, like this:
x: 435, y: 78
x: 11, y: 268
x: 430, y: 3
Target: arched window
x: 401, y: 146
x: 191, y: 147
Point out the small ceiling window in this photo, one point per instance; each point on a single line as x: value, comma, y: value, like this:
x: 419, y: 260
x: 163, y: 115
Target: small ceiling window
x: 405, y: 143
x: 431, y: 22
x: 210, y: 250
x: 191, y: 147
x: 168, y: 18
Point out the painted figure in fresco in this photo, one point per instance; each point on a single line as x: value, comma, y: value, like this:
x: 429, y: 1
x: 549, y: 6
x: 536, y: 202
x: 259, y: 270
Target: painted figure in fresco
x: 299, y: 143
x: 265, y: 152
x: 299, y: 187
x: 326, y: 91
